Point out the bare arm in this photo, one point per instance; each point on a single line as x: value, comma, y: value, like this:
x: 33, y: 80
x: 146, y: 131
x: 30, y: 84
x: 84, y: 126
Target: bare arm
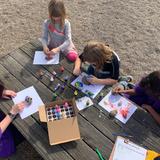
x: 5, y: 123
x: 154, y: 114
x: 119, y: 88
x: 107, y: 81
x: 129, y: 91
x: 7, y: 120
x: 77, y: 67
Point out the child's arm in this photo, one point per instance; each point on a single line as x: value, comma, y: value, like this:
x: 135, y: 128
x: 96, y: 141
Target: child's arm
x: 4, y: 124
x: 67, y: 32
x: 129, y: 91
x: 107, y: 81
x: 7, y: 94
x: 119, y: 88
x: 155, y: 115
x: 44, y: 38
x: 77, y: 67
x: 7, y: 120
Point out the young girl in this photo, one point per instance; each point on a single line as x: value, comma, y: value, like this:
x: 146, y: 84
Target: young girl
x: 146, y: 94
x: 56, y: 35
x: 104, y: 63
x: 7, y: 146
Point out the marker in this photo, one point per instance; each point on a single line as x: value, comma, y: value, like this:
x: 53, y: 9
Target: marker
x: 57, y: 87
x: 99, y: 154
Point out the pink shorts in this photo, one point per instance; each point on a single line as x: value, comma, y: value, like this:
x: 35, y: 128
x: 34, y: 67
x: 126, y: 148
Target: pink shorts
x: 72, y: 56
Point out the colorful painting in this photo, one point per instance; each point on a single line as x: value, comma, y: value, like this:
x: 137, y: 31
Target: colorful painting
x: 90, y: 90
x: 123, y: 107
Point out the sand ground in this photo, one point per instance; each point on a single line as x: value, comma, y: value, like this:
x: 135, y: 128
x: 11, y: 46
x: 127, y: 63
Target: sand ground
x: 131, y: 27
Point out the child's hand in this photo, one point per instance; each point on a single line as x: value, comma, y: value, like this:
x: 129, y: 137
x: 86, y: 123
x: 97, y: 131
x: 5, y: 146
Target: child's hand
x: 55, y: 51
x: 147, y: 107
x: 118, y: 88
x: 49, y: 57
x: 77, y: 71
x: 7, y: 94
x: 93, y: 80
x: 45, y: 50
x: 18, y: 108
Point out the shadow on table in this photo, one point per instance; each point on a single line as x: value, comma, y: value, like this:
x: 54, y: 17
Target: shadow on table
x: 144, y: 129
x: 40, y: 140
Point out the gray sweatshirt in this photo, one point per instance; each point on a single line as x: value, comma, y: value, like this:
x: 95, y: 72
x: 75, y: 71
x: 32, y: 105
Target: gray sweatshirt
x: 53, y: 36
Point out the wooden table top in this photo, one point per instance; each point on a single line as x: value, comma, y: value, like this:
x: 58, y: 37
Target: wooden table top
x: 18, y: 72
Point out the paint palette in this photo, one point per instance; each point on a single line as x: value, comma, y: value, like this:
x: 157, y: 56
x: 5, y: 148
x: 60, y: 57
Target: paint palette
x: 58, y: 112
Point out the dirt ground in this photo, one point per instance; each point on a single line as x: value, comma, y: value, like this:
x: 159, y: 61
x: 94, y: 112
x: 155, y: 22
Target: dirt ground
x: 131, y: 27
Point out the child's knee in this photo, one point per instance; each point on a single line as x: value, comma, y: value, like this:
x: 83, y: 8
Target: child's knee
x: 72, y: 56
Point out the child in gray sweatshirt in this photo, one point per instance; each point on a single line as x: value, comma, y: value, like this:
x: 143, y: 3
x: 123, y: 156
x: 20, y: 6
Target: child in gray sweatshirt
x: 56, y: 36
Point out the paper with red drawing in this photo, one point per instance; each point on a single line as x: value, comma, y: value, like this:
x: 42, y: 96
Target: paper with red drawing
x: 117, y: 102
x: 40, y: 59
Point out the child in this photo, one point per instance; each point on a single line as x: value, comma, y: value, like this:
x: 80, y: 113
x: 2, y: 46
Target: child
x: 56, y: 35
x: 104, y: 63
x: 146, y: 94
x: 7, y: 146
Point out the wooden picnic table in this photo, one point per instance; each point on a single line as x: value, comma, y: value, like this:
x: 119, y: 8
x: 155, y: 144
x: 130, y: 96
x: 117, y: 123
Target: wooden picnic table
x: 18, y: 72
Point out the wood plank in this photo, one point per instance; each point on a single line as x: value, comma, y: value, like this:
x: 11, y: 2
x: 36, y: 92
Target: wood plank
x: 99, y: 107
x: 141, y: 116
x: 25, y: 77
x: 81, y: 146
x: 19, y: 56
x: 24, y: 49
x: 35, y: 135
x: 152, y: 139
x: 144, y: 118
x: 38, y: 46
x: 26, y: 62
x: 33, y: 132
x: 107, y: 127
x: 29, y: 65
x: 93, y: 137
x: 29, y: 49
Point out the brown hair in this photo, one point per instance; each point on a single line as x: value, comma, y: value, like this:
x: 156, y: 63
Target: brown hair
x: 56, y: 8
x: 97, y: 52
x: 151, y: 83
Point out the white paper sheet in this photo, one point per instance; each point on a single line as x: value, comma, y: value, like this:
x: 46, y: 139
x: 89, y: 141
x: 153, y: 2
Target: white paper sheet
x: 94, y: 88
x: 36, y: 101
x: 39, y: 59
x: 81, y: 103
x: 111, y: 102
x: 128, y: 151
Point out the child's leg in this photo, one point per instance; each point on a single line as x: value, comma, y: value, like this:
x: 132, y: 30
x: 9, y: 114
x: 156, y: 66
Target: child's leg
x: 72, y: 56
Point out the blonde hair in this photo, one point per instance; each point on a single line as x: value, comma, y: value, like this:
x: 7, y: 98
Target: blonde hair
x: 98, y: 53
x: 56, y: 8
